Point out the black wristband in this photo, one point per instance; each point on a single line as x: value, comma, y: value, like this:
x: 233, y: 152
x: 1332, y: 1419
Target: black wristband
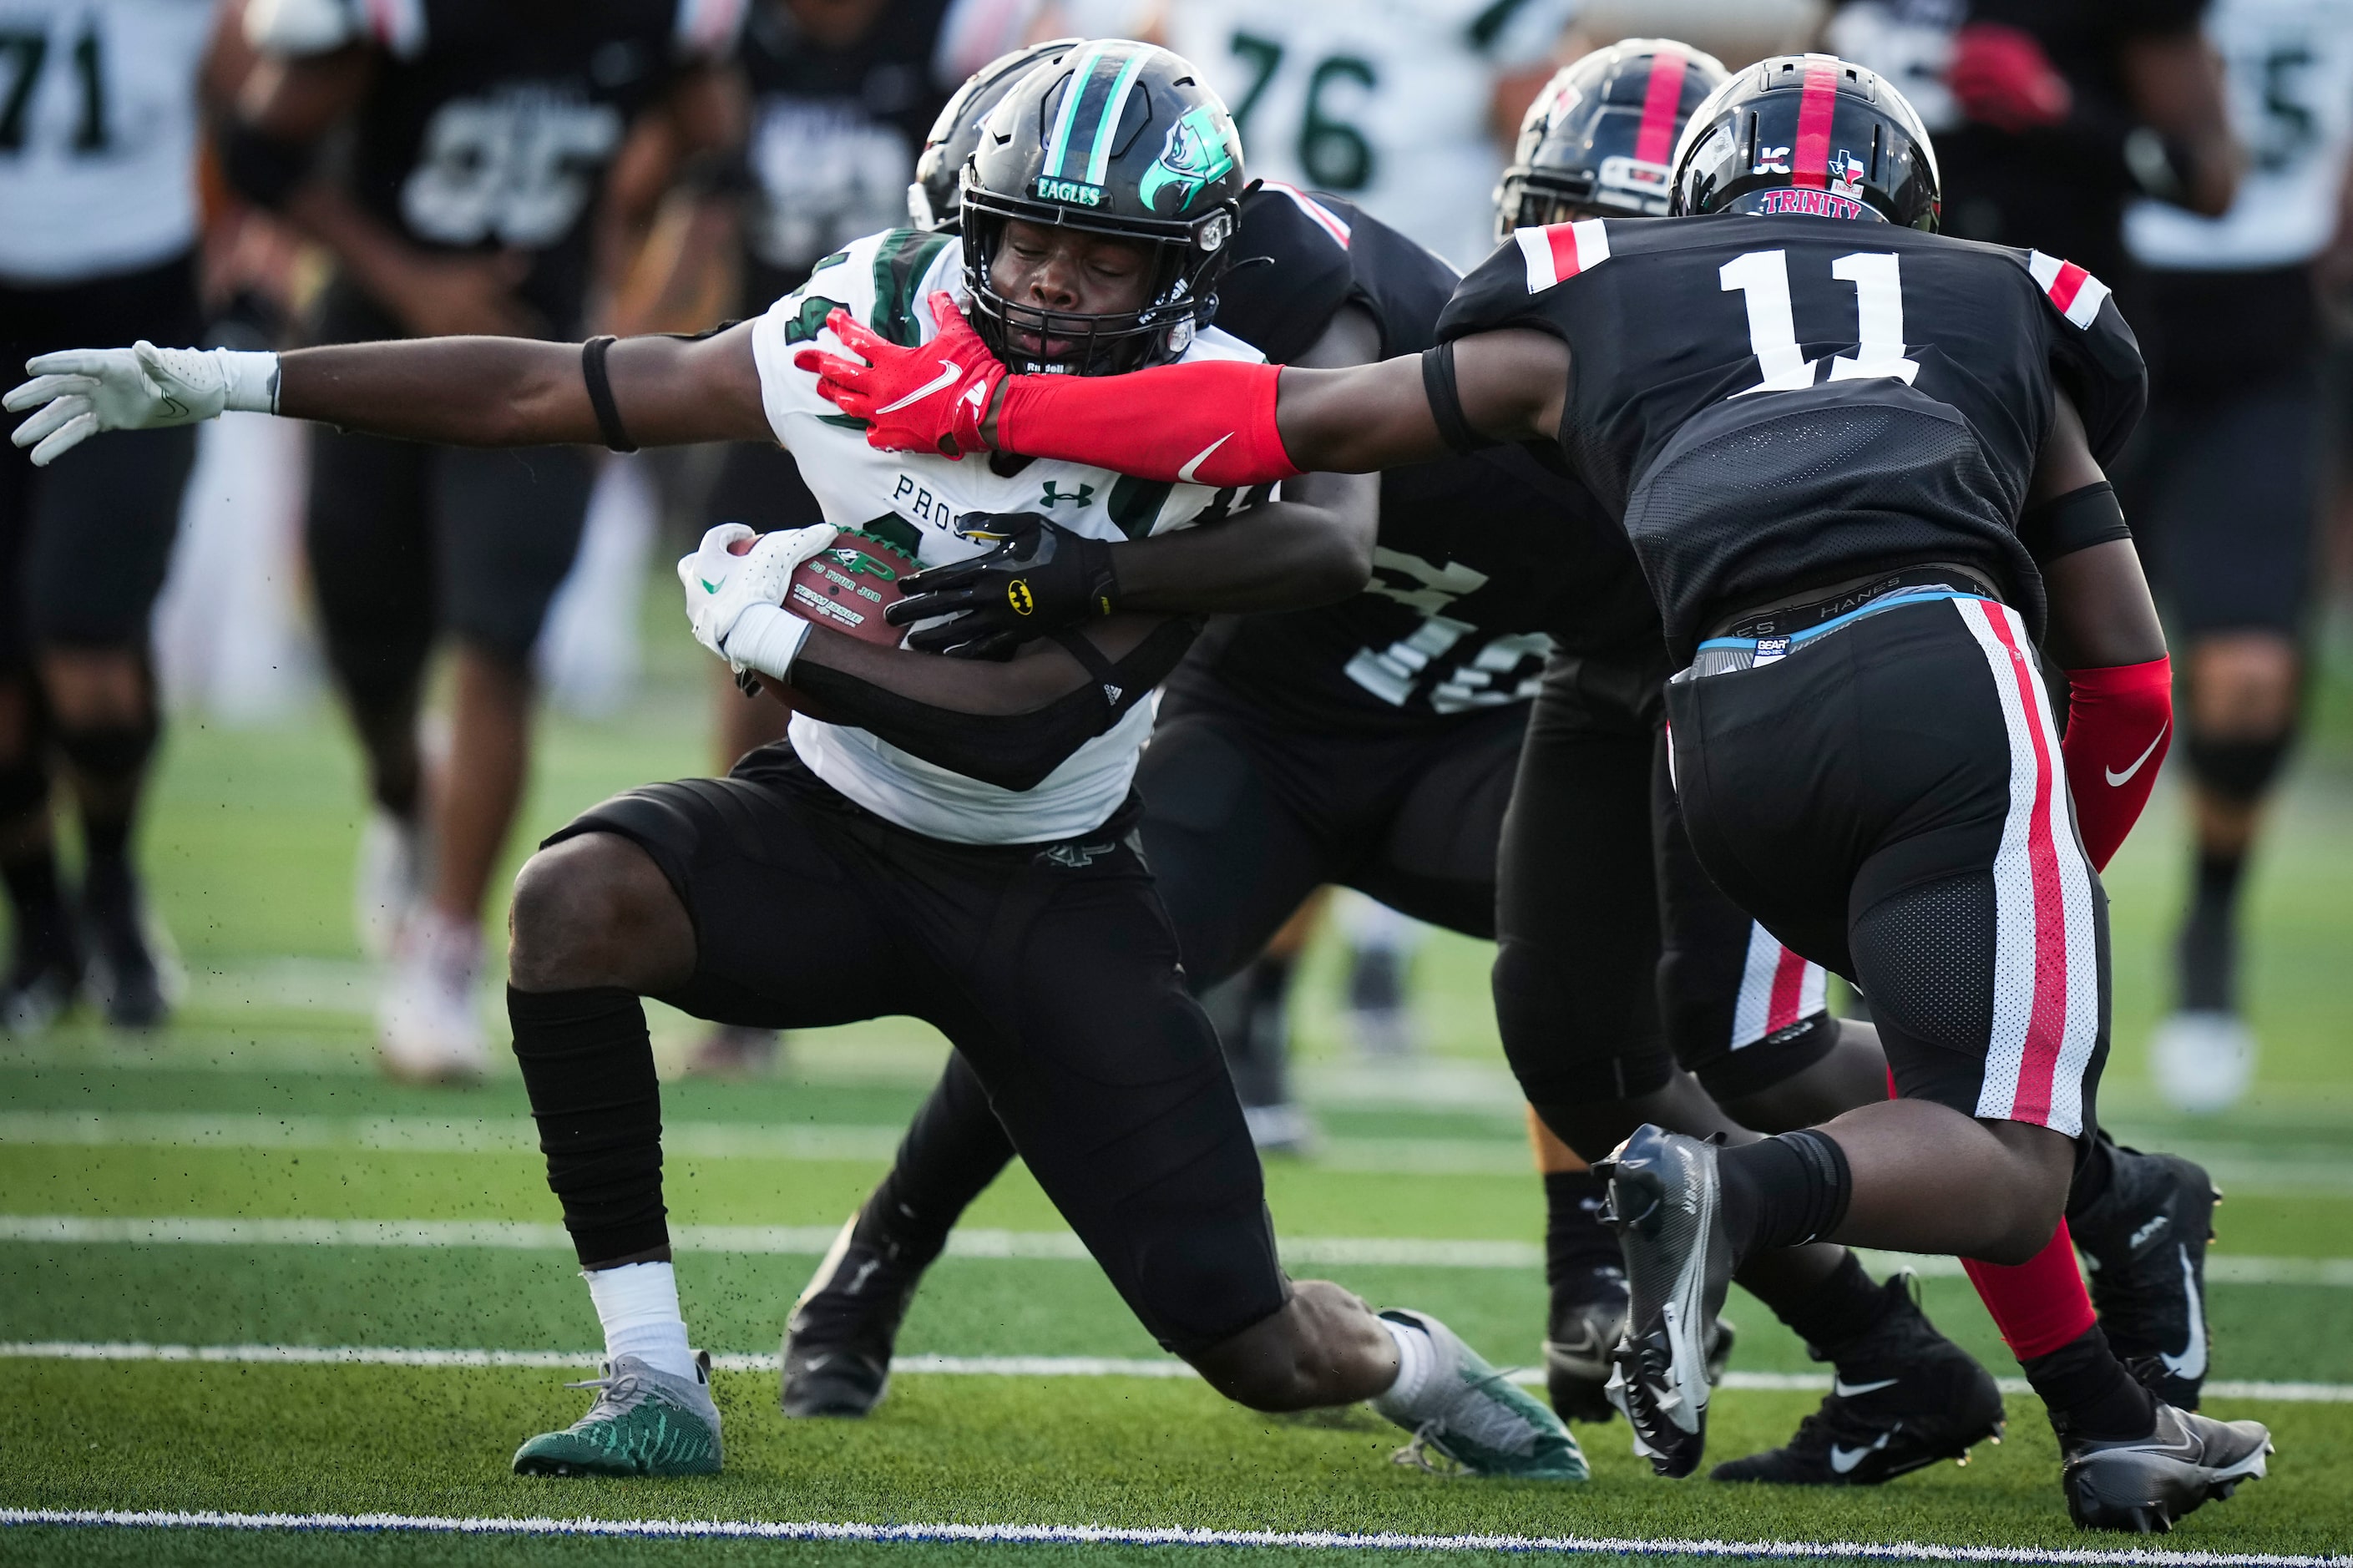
x: 600, y: 395
x: 1446, y: 400
x: 2076, y: 521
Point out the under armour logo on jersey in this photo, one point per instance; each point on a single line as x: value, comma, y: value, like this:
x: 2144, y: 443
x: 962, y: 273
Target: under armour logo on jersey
x: 1055, y: 496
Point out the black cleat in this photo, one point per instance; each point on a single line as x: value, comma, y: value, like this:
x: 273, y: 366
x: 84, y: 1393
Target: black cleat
x: 1904, y: 1397
x: 2143, y: 1484
x: 1666, y: 1200
x: 839, y: 1338
x: 121, y: 974
x: 2145, y: 1242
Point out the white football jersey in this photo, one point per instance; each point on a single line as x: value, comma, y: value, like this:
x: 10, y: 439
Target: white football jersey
x: 914, y: 499
x: 97, y: 135
x: 1384, y: 102
x: 2291, y: 96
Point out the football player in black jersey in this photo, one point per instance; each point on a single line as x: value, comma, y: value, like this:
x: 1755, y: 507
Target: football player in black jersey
x: 1857, y: 538
x: 476, y: 201
x: 1376, y: 742
x: 952, y: 839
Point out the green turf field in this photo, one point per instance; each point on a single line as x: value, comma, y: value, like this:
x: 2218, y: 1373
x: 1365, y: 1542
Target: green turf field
x: 247, y: 1190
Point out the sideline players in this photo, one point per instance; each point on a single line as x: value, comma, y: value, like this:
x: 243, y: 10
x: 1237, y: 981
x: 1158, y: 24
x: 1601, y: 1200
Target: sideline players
x: 2228, y: 475
x: 1376, y: 742
x: 480, y: 138
x: 965, y: 856
x: 1863, y: 747
x: 98, y: 155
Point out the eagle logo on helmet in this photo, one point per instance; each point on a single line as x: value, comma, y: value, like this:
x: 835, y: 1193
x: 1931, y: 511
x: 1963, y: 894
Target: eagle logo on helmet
x: 1196, y: 153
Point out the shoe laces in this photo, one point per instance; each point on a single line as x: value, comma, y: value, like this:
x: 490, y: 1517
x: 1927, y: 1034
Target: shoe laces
x: 1415, y: 1453
x: 616, y: 1395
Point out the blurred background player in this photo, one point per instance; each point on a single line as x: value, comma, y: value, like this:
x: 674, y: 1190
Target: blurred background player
x: 842, y: 93
x: 478, y: 197
x: 98, y: 133
x: 2228, y: 482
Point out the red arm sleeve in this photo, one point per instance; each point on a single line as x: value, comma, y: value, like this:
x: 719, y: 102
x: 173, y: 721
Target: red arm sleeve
x: 1205, y: 423
x: 2119, y: 720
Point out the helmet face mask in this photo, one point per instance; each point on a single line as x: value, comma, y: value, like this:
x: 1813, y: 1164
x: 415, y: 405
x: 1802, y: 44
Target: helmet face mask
x: 1809, y: 134
x: 1596, y: 142
x: 1112, y: 138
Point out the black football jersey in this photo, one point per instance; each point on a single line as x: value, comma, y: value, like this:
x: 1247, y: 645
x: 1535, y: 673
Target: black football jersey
x: 835, y: 131
x: 1484, y: 564
x: 1774, y: 403
x: 490, y: 126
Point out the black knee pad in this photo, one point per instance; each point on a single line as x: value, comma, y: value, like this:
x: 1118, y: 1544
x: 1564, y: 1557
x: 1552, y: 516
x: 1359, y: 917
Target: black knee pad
x: 1558, y: 1056
x: 109, y: 754
x: 2239, y: 771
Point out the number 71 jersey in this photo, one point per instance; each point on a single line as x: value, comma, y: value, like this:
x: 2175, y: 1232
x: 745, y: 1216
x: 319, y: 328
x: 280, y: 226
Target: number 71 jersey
x: 1783, y: 402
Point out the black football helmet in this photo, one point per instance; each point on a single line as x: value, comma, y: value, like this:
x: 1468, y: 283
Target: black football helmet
x: 1115, y: 138
x: 1809, y: 134
x: 932, y: 199
x: 1599, y: 139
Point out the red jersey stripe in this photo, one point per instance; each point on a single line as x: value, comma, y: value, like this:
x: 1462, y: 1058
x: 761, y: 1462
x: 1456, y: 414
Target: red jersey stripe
x: 1655, y: 142
x: 1810, y: 159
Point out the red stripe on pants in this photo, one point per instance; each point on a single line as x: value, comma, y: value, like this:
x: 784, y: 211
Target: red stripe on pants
x: 1788, y: 992
x: 2047, y: 1024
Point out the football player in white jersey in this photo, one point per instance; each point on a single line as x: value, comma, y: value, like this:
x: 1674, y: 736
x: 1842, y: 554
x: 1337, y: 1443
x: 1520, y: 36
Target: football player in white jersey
x: 2232, y: 465
x: 952, y: 840
x: 99, y: 119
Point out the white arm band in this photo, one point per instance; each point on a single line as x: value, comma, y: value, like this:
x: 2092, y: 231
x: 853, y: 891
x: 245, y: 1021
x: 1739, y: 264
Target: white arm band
x: 766, y: 638
x: 251, y: 380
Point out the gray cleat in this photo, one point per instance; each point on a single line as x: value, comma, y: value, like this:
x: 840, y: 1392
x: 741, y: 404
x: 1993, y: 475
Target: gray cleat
x: 1468, y: 1411
x: 2143, y: 1484
x: 644, y: 1423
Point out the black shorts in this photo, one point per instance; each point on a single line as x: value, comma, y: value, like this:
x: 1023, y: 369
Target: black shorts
x: 1051, y: 969
x: 2225, y: 501
x: 1244, y: 816
x: 85, y: 543
x: 1890, y: 801
x: 1617, y: 958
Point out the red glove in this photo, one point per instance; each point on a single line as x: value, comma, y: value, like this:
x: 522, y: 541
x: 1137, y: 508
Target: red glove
x: 2119, y: 720
x: 933, y: 397
x: 2001, y: 76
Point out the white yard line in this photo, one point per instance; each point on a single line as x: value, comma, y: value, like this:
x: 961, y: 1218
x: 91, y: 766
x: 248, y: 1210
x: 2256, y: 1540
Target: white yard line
x: 1358, y: 1251
x: 946, y: 1365
x: 1095, y: 1535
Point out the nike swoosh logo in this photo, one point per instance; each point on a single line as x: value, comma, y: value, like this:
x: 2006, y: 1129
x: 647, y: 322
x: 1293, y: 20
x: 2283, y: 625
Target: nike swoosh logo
x: 1845, y: 1459
x: 709, y: 587
x: 1846, y: 1390
x: 2191, y: 1361
x: 948, y: 373
x: 2118, y: 780
x: 1185, y: 475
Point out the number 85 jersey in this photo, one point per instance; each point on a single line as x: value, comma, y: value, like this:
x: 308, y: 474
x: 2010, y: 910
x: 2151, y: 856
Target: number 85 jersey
x: 1772, y: 404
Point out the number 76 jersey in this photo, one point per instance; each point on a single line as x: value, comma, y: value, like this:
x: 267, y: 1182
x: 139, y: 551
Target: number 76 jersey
x: 1783, y: 402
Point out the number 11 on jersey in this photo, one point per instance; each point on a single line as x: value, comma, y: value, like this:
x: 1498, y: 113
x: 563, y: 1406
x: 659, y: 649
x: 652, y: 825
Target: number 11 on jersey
x: 1762, y: 280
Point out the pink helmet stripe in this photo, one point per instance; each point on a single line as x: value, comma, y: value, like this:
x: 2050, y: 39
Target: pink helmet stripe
x: 1655, y: 143
x: 1810, y: 159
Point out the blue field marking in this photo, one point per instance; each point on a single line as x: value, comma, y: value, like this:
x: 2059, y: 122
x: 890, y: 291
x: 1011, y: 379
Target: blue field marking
x: 1103, y: 1535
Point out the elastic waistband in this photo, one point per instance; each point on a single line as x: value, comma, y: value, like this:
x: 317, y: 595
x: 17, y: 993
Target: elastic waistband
x: 1721, y: 655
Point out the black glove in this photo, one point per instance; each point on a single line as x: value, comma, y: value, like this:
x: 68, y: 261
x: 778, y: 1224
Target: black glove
x: 1040, y: 578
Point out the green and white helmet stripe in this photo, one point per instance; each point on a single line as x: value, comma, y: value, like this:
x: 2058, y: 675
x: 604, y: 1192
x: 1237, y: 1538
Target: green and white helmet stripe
x: 1101, y: 78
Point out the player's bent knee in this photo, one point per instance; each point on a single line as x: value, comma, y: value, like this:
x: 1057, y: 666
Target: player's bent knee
x: 595, y: 910
x: 2043, y: 1168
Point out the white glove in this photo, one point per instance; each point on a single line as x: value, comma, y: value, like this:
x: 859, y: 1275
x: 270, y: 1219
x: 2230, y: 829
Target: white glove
x: 735, y: 601
x: 138, y: 388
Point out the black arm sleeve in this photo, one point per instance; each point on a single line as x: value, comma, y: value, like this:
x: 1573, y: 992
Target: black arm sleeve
x: 1011, y: 750
x: 2076, y: 521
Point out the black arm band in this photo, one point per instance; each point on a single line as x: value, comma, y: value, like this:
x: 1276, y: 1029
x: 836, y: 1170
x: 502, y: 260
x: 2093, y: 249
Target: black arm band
x: 2076, y: 521
x: 1446, y: 400
x: 600, y: 395
x: 263, y: 169
x: 1010, y: 750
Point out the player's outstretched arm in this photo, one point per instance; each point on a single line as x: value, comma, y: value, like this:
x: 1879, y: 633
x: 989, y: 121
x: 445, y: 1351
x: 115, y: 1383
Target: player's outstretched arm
x: 463, y: 392
x: 1216, y: 422
x: 2105, y: 632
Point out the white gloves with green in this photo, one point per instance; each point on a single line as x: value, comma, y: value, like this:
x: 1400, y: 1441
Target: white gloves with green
x: 735, y: 603
x: 138, y: 388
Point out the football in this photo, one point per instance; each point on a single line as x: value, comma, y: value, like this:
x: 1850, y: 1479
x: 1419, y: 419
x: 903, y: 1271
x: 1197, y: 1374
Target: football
x: 849, y: 584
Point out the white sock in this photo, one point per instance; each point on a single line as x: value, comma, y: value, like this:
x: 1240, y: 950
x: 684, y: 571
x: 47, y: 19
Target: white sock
x: 637, y: 1304
x: 1416, y: 1359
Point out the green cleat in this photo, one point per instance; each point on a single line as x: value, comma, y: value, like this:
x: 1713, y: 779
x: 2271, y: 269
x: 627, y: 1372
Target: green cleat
x: 1477, y: 1417
x: 644, y: 1423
